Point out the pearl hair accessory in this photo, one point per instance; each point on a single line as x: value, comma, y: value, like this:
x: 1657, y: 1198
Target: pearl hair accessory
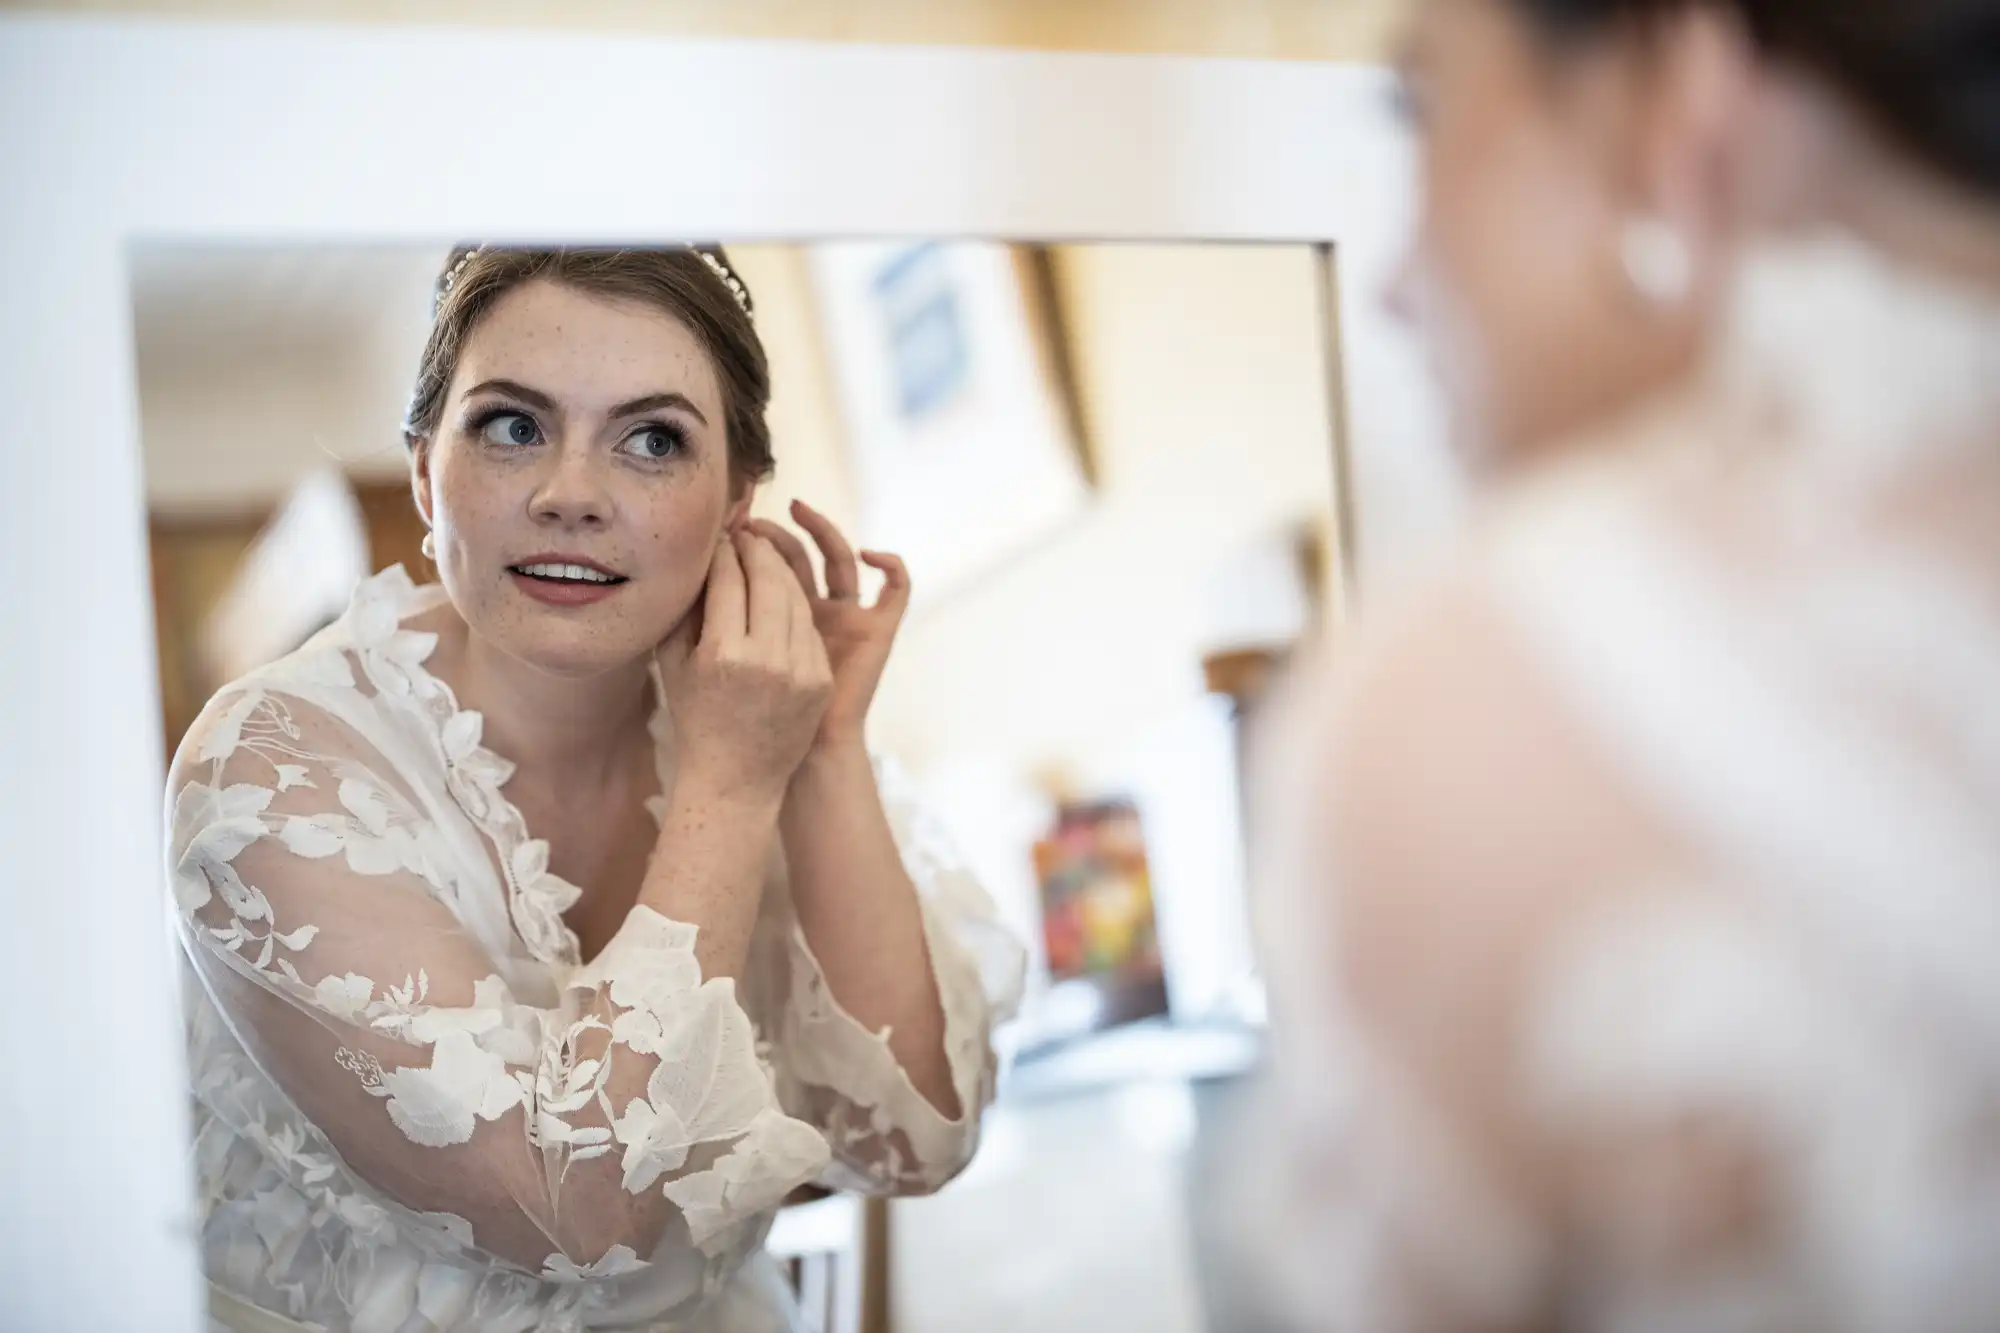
x: 729, y: 280
x: 721, y: 270
x: 451, y: 274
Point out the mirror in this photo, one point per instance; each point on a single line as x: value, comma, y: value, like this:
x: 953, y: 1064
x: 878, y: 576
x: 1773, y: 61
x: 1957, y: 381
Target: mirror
x: 1112, y: 470
x: 139, y: 134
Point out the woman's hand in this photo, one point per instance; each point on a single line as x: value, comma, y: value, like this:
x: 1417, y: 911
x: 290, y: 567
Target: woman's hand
x: 747, y: 678
x: 857, y: 638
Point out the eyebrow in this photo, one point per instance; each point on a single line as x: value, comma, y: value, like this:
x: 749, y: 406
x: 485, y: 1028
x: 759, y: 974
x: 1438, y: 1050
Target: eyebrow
x: 652, y: 402
x: 535, y: 398
x: 514, y: 389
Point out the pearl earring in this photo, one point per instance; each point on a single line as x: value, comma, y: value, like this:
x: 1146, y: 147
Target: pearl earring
x: 430, y: 547
x: 1657, y: 261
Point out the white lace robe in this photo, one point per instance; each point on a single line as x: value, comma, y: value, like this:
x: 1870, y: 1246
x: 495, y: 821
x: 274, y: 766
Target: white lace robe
x: 1635, y: 956
x: 417, y: 1110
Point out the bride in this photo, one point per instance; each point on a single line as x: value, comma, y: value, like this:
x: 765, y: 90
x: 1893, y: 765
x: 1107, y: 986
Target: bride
x: 1636, y: 965
x: 549, y: 925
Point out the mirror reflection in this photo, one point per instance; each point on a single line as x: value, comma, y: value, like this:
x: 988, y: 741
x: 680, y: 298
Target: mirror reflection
x: 707, y: 779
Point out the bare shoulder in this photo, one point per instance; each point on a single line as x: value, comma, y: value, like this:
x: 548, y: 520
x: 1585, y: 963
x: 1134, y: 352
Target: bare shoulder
x: 1459, y: 815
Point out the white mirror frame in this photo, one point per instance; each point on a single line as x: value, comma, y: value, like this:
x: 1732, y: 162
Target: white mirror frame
x: 117, y: 131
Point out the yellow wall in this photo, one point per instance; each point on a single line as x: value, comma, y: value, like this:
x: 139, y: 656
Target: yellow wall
x: 1275, y: 29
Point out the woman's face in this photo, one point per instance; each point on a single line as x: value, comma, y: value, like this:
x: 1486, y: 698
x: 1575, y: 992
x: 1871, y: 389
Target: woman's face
x: 1534, y: 162
x: 580, y: 480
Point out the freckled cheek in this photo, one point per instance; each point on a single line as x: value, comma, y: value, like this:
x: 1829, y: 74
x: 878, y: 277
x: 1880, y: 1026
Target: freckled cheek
x: 680, y: 540
x: 477, y: 527
x: 475, y: 521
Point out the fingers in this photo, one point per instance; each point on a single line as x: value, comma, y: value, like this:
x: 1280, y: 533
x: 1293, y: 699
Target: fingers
x: 773, y: 592
x: 808, y: 648
x: 725, y: 610
x: 792, y: 549
x: 843, y: 581
x: 895, y: 598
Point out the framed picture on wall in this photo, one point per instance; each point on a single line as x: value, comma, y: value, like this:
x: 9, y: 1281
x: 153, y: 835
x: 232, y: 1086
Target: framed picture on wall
x: 1099, y: 929
x: 953, y: 379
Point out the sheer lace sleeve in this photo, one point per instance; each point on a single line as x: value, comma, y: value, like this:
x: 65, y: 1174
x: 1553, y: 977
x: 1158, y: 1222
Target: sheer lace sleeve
x: 886, y: 1137
x: 316, y: 883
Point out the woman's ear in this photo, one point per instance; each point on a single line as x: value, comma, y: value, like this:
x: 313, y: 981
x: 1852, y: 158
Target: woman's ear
x: 420, y: 476
x: 1703, y: 92
x: 739, y: 505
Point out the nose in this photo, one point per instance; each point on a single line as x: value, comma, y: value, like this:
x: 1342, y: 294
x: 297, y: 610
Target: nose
x: 571, y: 491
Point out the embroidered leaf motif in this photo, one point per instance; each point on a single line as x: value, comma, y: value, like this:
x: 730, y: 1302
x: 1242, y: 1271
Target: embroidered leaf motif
x: 191, y: 891
x: 436, y: 1107
x: 367, y: 803
x: 227, y: 733
x: 617, y: 1260
x: 446, y: 1231
x: 655, y: 1143
x: 461, y: 735
x: 372, y: 856
x: 313, y: 836
x: 245, y: 901
x: 344, y: 997
x: 531, y: 860
x: 221, y: 843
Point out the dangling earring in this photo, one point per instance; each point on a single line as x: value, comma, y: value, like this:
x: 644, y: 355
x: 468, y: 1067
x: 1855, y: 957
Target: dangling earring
x: 1657, y: 261
x: 430, y: 547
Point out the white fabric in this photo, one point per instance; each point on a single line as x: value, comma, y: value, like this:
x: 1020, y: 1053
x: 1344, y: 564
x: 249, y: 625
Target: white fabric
x: 1768, y: 615
x: 417, y: 1110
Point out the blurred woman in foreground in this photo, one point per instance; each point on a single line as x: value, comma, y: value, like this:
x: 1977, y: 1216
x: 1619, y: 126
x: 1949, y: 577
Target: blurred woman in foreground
x: 1637, y: 963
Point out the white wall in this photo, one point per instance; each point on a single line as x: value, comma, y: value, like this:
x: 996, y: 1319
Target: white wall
x: 234, y: 436
x: 259, y: 363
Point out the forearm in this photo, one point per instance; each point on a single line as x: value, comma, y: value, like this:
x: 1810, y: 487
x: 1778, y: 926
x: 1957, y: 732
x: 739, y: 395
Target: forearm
x: 708, y: 867
x: 860, y: 913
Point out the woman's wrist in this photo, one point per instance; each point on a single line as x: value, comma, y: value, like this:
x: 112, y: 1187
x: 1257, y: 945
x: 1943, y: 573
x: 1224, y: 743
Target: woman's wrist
x: 714, y: 787
x: 841, y: 759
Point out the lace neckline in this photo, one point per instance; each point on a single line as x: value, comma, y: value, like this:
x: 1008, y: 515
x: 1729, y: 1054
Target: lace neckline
x: 394, y: 657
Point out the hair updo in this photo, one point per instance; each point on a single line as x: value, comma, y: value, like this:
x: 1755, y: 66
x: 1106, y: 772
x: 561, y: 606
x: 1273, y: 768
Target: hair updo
x: 697, y: 287
x: 1926, y: 72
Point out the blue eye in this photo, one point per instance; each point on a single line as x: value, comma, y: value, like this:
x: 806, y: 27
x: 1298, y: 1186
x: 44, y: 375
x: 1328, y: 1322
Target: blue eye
x: 656, y: 441
x: 511, y: 429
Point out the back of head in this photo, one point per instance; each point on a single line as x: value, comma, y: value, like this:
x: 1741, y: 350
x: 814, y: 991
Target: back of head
x: 1926, y: 73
